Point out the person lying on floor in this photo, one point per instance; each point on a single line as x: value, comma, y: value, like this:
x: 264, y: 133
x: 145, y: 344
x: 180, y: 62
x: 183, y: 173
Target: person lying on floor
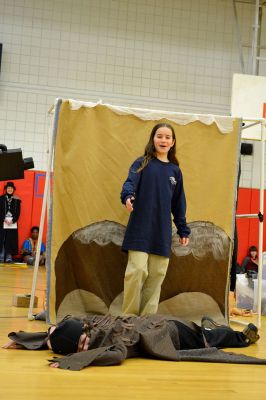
x: 107, y: 340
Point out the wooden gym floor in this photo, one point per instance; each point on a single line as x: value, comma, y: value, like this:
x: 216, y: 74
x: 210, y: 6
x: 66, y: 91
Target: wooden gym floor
x: 25, y: 375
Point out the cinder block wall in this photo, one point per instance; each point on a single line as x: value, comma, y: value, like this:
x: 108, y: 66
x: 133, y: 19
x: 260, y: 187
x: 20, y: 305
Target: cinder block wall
x: 166, y: 54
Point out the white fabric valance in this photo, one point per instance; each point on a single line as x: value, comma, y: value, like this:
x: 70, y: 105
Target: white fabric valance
x: 224, y: 123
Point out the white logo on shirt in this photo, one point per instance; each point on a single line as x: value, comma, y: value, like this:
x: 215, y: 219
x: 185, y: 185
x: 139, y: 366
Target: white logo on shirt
x: 172, y: 180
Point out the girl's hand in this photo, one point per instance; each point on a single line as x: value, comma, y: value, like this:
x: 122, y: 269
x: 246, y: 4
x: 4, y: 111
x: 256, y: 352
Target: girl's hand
x: 184, y: 241
x: 129, y: 203
x: 54, y: 365
x: 12, y: 345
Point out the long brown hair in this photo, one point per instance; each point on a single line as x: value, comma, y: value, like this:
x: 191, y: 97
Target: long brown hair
x: 150, y: 149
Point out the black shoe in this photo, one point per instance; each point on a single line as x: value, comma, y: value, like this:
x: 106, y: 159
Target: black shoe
x: 209, y: 323
x: 251, y: 334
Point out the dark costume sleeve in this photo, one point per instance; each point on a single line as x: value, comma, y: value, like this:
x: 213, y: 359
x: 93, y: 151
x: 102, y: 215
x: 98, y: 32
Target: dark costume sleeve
x: 212, y: 354
x: 2, y: 209
x: 16, y: 210
x: 179, y: 208
x: 130, y: 186
x: 113, y: 356
x: 30, y: 341
x: 101, y: 356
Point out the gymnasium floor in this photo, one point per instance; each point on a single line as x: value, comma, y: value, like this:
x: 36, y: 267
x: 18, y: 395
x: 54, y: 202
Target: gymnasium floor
x: 25, y: 375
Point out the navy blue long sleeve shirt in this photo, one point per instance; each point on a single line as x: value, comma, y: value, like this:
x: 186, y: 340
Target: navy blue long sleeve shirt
x: 159, y: 192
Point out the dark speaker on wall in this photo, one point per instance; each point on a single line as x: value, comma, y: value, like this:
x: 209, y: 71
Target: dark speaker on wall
x: 246, y: 149
x: 12, y: 164
x: 1, y: 46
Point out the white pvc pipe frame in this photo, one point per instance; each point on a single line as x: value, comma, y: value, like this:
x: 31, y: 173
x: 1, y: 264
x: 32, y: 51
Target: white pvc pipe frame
x: 255, y: 40
x: 44, y: 205
x: 254, y: 121
x: 260, y: 121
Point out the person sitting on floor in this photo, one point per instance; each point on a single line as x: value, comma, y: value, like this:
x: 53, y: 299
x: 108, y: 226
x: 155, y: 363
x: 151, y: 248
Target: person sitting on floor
x: 107, y: 340
x: 29, y: 248
x: 250, y: 263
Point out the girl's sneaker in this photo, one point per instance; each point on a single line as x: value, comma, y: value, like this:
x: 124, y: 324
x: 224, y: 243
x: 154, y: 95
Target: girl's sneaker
x: 251, y: 334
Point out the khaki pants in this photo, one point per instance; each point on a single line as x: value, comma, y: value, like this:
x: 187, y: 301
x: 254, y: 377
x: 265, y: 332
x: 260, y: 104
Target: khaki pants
x: 143, y: 280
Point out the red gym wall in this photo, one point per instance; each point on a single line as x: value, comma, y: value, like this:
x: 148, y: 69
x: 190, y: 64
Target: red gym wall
x: 248, y: 229
x: 30, y: 190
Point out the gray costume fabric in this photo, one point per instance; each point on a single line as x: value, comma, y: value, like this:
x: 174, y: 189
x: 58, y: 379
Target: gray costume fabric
x: 112, y: 340
x: 29, y: 340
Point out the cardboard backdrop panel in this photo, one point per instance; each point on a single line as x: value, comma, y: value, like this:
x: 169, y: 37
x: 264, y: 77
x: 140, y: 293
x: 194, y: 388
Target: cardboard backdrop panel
x: 94, y: 149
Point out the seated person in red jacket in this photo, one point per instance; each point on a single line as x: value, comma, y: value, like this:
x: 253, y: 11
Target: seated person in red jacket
x: 29, y: 248
x: 106, y: 340
x: 250, y: 263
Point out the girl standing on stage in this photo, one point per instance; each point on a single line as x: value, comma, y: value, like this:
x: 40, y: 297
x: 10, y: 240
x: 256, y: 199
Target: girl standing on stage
x: 152, y: 192
x: 9, y: 215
